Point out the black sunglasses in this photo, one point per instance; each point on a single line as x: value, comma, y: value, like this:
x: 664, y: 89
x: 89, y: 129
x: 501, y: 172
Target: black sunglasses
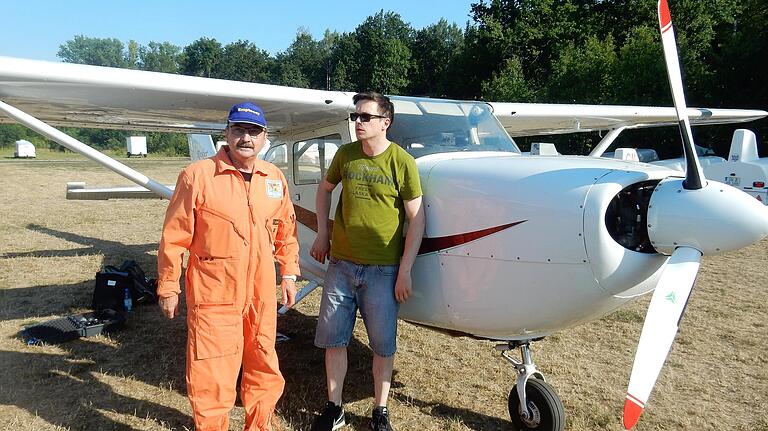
x: 241, y: 131
x: 364, y: 118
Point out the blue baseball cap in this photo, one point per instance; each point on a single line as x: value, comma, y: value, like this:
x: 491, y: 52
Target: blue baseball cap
x: 249, y: 113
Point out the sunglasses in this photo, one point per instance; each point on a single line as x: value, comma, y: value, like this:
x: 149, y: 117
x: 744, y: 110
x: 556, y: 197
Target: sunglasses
x: 241, y: 131
x: 364, y: 118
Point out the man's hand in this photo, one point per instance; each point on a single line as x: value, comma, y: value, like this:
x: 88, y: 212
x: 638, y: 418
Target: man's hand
x: 288, y: 287
x: 320, y: 248
x: 403, y: 286
x: 169, y: 306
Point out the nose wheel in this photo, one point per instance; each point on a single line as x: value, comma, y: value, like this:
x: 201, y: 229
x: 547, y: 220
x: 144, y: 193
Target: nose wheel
x: 533, y: 403
x: 544, y: 408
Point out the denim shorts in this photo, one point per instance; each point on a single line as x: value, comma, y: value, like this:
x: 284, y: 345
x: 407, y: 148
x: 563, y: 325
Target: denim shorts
x: 371, y: 288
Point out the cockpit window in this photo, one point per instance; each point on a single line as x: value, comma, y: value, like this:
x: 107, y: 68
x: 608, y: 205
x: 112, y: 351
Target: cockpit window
x: 429, y: 126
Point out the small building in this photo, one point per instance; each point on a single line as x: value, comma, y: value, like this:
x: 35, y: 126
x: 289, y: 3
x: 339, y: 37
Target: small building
x: 24, y: 149
x: 136, y: 145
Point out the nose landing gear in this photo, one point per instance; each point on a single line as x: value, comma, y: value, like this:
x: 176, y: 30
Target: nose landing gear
x: 533, y: 404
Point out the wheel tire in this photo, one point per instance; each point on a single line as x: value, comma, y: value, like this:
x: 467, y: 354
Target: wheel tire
x: 548, y: 412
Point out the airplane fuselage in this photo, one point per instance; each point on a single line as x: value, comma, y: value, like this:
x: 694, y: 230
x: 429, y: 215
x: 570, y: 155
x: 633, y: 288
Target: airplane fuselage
x: 515, y: 247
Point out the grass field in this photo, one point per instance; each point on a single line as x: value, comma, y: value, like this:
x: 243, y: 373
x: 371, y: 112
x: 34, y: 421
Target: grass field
x: 56, y: 155
x: 716, y: 376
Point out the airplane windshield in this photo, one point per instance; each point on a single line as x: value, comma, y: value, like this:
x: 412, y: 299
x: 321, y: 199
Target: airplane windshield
x: 429, y: 126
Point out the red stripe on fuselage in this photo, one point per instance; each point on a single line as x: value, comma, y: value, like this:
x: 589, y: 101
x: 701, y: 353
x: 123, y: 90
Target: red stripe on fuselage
x: 428, y: 245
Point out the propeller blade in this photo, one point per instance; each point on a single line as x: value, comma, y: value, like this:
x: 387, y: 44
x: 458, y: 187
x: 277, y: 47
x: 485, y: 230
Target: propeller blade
x: 660, y: 327
x: 694, y: 174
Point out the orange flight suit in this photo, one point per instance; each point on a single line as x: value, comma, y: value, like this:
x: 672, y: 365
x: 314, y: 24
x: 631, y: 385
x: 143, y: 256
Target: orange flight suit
x: 234, y: 231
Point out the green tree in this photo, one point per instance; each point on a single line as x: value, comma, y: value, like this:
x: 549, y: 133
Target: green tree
x: 640, y: 73
x: 10, y: 133
x: 584, y: 74
x: 132, y: 55
x: 305, y: 62
x: 167, y: 144
x: 93, y: 51
x: 343, y: 64
x: 201, y: 57
x: 100, y: 139
x: 243, y: 61
x: 384, y: 56
x: 433, y: 48
x: 160, y: 57
x: 508, y: 85
x: 529, y: 30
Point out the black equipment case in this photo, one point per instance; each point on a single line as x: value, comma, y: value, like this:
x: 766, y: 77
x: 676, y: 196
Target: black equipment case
x: 72, y: 327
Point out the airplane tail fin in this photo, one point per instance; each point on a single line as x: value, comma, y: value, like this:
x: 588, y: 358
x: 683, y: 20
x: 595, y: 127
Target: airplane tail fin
x: 200, y: 146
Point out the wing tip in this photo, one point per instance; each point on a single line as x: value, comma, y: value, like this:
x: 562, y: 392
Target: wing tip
x: 632, y: 411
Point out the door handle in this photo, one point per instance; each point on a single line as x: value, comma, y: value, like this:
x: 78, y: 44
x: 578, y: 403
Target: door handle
x: 296, y: 197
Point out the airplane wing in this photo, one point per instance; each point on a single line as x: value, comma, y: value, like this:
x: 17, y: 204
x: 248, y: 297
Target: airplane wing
x: 65, y: 94
x: 533, y: 119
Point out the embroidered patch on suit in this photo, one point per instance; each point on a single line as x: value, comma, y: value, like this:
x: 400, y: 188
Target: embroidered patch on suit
x: 274, y: 189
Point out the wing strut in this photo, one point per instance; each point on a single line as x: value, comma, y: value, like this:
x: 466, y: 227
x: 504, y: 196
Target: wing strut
x: 606, y: 142
x: 81, y: 148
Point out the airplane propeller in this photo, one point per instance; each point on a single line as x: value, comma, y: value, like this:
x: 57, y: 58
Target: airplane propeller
x: 659, y: 329
x: 679, y: 217
x: 694, y: 174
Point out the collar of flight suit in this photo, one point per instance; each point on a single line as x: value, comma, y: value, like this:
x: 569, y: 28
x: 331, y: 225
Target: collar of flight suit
x: 224, y: 163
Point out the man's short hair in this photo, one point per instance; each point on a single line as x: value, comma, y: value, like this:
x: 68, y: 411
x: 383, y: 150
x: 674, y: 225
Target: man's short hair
x: 386, y: 108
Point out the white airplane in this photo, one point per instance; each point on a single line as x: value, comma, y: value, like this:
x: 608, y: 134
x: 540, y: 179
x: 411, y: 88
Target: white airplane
x: 743, y: 169
x: 516, y: 247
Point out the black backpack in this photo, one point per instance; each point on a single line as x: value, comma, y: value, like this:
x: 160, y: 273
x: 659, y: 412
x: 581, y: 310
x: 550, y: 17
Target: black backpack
x: 113, y: 282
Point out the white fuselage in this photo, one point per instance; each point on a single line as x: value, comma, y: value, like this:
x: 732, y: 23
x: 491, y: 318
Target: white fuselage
x: 517, y: 247
x: 558, y: 267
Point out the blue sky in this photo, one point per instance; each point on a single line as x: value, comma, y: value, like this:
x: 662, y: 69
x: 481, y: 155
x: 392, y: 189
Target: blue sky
x: 35, y: 29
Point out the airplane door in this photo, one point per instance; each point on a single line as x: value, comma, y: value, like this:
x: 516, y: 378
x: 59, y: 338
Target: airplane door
x: 311, y: 159
x: 310, y: 155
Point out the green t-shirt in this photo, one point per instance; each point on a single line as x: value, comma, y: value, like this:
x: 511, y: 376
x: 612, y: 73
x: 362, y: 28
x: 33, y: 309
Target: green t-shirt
x: 368, y: 226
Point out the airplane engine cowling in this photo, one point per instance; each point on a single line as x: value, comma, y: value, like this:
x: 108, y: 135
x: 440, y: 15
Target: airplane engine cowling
x: 714, y: 219
x: 517, y: 247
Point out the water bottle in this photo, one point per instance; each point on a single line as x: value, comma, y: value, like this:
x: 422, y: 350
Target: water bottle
x: 127, y: 301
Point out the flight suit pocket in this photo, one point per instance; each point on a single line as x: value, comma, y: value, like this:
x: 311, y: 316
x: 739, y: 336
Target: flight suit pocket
x: 264, y: 326
x: 216, y: 234
x: 273, y: 225
x: 218, y: 331
x: 212, y: 280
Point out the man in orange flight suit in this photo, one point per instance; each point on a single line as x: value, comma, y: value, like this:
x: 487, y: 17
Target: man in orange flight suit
x: 234, y: 215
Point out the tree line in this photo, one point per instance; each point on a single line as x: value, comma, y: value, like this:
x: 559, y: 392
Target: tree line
x: 548, y: 51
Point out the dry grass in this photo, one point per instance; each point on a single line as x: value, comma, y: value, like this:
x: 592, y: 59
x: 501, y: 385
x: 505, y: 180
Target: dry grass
x: 716, y: 376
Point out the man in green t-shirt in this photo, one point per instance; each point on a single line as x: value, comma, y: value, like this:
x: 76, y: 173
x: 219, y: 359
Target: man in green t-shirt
x: 370, y: 261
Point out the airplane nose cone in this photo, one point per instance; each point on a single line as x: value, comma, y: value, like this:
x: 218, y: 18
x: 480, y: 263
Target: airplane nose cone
x: 715, y: 219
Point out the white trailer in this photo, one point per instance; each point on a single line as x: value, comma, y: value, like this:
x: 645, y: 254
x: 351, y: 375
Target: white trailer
x: 24, y: 149
x: 136, y: 146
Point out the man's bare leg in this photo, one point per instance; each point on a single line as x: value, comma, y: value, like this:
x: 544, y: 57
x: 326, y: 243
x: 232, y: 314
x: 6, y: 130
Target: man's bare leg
x: 336, y: 371
x: 382, y: 377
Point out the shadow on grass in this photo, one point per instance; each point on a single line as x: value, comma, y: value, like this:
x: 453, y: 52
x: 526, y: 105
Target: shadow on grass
x: 69, y: 388
x: 471, y: 419
x: 303, y: 366
x: 114, y: 252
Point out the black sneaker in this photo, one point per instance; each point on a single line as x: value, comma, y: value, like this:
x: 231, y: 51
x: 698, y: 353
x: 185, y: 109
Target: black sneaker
x: 331, y: 419
x: 380, y: 419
